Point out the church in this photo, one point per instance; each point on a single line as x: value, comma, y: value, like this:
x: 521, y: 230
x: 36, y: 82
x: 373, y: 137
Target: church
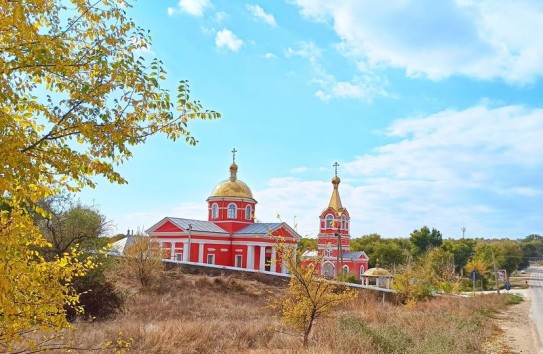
x: 230, y: 236
x: 334, y: 240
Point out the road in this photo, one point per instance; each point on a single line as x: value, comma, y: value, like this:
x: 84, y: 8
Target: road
x: 536, y: 286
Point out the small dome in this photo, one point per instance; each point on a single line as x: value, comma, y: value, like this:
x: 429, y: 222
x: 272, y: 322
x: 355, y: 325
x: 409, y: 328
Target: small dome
x: 229, y: 188
x: 336, y: 180
x: 377, y: 272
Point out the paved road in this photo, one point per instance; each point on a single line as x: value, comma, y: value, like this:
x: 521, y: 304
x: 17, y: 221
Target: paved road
x: 536, y: 286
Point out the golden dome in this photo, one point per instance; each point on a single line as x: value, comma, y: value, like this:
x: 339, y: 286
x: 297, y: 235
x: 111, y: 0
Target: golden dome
x: 232, y: 187
x: 335, y: 181
x: 229, y: 188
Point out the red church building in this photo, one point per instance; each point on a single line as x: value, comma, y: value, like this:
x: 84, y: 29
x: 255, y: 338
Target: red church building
x: 230, y: 236
x: 334, y: 230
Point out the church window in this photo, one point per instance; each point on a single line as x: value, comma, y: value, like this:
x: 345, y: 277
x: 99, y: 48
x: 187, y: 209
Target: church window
x: 239, y: 261
x: 329, y: 221
x: 345, y: 269
x: 248, y: 212
x: 232, y: 211
x: 179, y: 256
x: 215, y: 211
x: 362, y: 270
x: 343, y: 223
x: 210, y: 259
x: 328, y: 251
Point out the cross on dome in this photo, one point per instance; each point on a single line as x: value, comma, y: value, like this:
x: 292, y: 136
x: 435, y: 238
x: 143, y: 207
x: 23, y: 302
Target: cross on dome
x: 335, y: 166
x: 234, y: 155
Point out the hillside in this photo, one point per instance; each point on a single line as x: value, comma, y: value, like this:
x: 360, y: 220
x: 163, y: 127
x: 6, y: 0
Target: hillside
x: 203, y: 314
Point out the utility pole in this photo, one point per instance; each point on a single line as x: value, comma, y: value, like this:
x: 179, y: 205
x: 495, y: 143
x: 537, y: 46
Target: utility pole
x: 463, y: 231
x: 495, y: 271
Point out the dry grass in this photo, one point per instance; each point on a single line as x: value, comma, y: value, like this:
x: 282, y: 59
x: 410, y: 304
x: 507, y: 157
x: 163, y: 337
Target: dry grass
x: 200, y: 314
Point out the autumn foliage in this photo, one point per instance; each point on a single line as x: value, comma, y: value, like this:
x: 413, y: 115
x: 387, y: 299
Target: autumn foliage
x: 76, y: 93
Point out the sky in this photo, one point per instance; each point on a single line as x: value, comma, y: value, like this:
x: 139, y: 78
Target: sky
x: 433, y: 110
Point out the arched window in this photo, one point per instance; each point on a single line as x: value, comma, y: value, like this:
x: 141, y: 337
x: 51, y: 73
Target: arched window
x: 215, y: 211
x: 362, y: 270
x: 248, y: 212
x: 231, y: 211
x: 345, y: 269
x: 344, y: 222
x: 329, y: 221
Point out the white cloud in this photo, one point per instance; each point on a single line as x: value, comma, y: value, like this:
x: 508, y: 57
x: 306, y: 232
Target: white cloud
x: 226, y: 39
x: 479, y: 167
x: 363, y: 87
x: 194, y: 7
x: 269, y: 56
x: 260, y: 14
x: 483, y: 39
x: 171, y: 11
x: 301, y: 169
x: 220, y: 17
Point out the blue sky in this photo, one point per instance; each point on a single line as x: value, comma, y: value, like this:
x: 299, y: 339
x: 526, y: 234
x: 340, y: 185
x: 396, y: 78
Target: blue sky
x: 433, y: 110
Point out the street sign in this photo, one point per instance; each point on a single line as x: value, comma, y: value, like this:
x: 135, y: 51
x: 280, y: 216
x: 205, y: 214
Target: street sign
x: 502, y: 275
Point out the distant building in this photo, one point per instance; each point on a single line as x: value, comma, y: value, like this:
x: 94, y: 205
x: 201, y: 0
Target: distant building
x: 335, y: 223
x: 230, y: 236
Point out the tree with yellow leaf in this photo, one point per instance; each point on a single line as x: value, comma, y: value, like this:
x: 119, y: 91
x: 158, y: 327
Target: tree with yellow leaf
x: 76, y: 94
x: 309, y: 296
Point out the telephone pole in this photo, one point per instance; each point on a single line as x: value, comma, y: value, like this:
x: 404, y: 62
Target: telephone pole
x: 463, y: 231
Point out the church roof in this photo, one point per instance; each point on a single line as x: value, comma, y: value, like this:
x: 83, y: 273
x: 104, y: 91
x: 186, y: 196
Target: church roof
x: 377, y: 272
x: 354, y: 255
x: 121, y: 245
x: 197, y: 225
x: 264, y: 228
x: 335, y: 200
x: 232, y: 187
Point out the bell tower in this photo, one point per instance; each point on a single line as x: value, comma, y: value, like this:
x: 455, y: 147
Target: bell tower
x: 334, y: 224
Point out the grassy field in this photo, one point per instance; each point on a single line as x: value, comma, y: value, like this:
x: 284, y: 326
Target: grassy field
x: 200, y: 314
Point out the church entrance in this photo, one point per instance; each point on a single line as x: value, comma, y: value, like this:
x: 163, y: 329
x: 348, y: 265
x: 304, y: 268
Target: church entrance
x: 267, y: 266
x: 328, y: 269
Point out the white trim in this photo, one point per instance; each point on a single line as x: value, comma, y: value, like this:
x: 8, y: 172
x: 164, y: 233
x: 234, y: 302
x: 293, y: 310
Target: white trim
x: 273, y: 265
x: 224, y: 249
x: 250, y: 257
x: 213, y: 209
x: 230, y: 220
x: 212, y: 255
x: 201, y: 253
x: 262, y: 265
x: 240, y: 258
x: 235, y: 209
x: 327, y: 225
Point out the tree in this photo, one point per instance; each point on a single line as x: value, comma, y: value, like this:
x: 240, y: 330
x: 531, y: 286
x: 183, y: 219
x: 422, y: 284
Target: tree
x: 413, y: 282
x: 71, y: 224
x: 76, y: 94
x: 306, y: 244
x: 423, y: 240
x: 308, y: 296
x: 142, y: 261
x: 462, y: 251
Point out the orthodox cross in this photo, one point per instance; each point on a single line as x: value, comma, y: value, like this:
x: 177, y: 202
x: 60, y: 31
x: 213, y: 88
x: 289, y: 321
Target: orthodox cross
x: 234, y: 154
x: 335, y: 165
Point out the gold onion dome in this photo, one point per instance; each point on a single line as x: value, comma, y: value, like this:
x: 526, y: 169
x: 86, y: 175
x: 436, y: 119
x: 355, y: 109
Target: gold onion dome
x: 232, y: 187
